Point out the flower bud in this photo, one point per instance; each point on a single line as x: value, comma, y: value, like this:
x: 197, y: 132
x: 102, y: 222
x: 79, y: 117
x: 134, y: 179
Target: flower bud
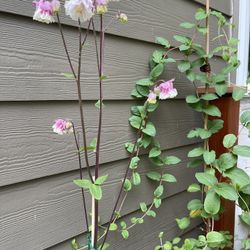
x: 123, y: 18
x: 101, y: 9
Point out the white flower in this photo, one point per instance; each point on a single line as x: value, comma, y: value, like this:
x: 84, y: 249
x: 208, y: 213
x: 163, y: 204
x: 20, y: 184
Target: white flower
x: 43, y: 12
x: 79, y: 9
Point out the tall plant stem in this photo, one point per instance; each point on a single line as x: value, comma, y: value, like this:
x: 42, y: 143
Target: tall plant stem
x: 79, y: 92
x: 81, y: 176
x: 97, y: 163
x: 78, y: 82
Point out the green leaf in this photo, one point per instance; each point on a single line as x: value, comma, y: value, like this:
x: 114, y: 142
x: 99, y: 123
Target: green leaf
x: 101, y: 179
x: 199, y: 132
x: 183, y: 223
x: 145, y: 82
x: 206, y: 179
x: 183, y: 66
x: 238, y: 176
x: 187, y: 25
x: 154, y: 152
x: 245, y: 118
x: 98, y: 104
x: 127, y: 185
x: 194, y: 204
x: 158, y: 56
x: 245, y: 189
x: 150, y: 129
x: 192, y: 99
x: 171, y: 160
x: 167, y: 245
x: 212, y: 203
x: 182, y: 39
x: 202, y: 30
x: 184, y: 47
x: 212, y: 111
x: 209, y: 157
x: 226, y: 161
x: 125, y: 234
x: 142, y: 90
x: 242, y: 150
x: 214, y: 238
x: 196, y: 152
x: 113, y: 227
x: 135, y: 121
x: 157, y: 71
x: 226, y: 191
x: 238, y: 93
x: 176, y: 240
x: 143, y: 207
x: 155, y: 176
x: 169, y: 178
x: 195, y: 163
x: 136, y: 94
x: 200, y: 14
x: 83, y: 183
x: 245, y: 217
x: 96, y: 191
x: 162, y: 41
x: 151, y: 213
x: 74, y: 244
x: 215, y: 126
x: 103, y: 77
x: 68, y: 75
x: 159, y: 191
x: 229, y: 140
x: 157, y: 202
x: 134, y: 162
x: 194, y: 188
x: 221, y: 89
x: 209, y: 97
x: 136, y: 178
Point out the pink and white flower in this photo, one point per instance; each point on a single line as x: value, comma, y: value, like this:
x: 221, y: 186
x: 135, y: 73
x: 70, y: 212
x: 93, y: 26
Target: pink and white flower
x: 79, y: 9
x: 55, y: 5
x: 166, y: 90
x: 44, y: 11
x: 62, y: 126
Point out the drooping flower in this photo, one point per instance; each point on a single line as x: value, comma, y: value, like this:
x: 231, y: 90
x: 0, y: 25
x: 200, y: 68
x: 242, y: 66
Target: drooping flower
x: 152, y: 97
x: 79, y: 9
x: 44, y: 11
x: 62, y: 126
x: 55, y: 5
x: 166, y: 90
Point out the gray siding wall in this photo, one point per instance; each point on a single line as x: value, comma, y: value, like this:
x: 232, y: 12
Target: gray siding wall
x: 40, y: 208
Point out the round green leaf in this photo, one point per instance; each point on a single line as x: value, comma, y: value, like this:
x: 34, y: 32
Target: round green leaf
x: 212, y: 203
x: 229, y: 140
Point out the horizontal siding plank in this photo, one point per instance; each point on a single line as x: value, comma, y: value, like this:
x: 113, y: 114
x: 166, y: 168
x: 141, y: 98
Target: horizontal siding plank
x: 146, y: 19
x: 224, y: 6
x: 43, y: 213
x: 31, y: 150
x: 31, y: 69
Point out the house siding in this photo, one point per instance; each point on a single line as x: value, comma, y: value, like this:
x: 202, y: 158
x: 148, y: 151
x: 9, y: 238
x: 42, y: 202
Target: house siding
x: 40, y: 206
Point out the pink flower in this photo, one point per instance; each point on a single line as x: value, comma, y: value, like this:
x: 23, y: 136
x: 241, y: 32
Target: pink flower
x: 62, y: 127
x: 44, y: 11
x: 152, y: 98
x: 166, y: 90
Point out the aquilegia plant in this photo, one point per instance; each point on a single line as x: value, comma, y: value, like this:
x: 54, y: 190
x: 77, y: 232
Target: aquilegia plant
x: 149, y: 90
